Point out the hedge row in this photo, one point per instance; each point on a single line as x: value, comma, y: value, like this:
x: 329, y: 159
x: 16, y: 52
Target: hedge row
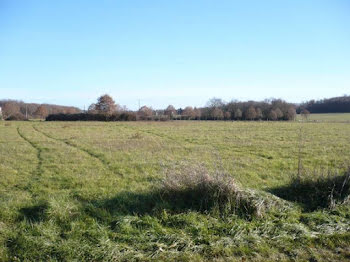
x: 125, y: 116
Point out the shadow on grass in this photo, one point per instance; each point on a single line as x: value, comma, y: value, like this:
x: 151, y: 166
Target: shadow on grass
x: 147, y: 203
x: 35, y: 213
x: 316, y: 192
x: 124, y: 203
x: 153, y: 203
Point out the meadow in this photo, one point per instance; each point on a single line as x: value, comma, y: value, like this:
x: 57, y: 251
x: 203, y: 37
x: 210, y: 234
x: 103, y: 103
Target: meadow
x: 89, y: 191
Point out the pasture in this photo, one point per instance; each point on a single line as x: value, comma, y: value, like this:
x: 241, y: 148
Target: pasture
x: 86, y: 191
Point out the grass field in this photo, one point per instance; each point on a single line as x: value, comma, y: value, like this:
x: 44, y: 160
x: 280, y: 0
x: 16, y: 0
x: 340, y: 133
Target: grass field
x: 87, y: 191
x: 338, y: 118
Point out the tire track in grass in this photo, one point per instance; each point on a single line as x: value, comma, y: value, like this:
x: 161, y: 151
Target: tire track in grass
x: 170, y: 138
x: 37, y: 173
x: 98, y: 157
x: 151, y: 133
x: 38, y: 149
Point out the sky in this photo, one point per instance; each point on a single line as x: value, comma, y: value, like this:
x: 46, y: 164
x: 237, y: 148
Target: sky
x: 173, y: 52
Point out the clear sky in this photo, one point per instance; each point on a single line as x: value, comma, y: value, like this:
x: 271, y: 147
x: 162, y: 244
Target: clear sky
x: 179, y: 52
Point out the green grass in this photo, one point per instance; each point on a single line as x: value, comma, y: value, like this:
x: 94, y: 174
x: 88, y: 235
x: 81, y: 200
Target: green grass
x: 87, y: 191
x: 340, y: 117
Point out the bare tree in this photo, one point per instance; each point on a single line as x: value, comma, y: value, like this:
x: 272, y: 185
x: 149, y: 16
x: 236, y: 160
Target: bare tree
x: 272, y: 115
x: 188, y: 112
x: 305, y: 114
x: 259, y: 113
x: 250, y: 114
x: 279, y: 113
x: 170, y: 111
x: 105, y: 104
x: 122, y: 108
x: 10, y: 108
x: 197, y: 113
x: 145, y: 112
x: 92, y: 109
x: 238, y: 113
x: 71, y: 110
x: 227, y: 115
x: 215, y: 102
x: 291, y: 113
x: 217, y: 114
x: 41, y: 112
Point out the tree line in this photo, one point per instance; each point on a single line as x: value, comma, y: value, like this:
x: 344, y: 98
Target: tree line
x: 331, y: 105
x: 105, y: 109
x: 18, y: 110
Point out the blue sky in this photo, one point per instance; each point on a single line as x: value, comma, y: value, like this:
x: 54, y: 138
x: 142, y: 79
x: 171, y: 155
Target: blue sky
x: 173, y: 52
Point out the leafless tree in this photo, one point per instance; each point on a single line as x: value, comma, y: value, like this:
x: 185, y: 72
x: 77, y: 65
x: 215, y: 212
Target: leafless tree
x: 197, y: 113
x: 238, y: 113
x: 170, y: 111
x: 217, y: 114
x: 250, y: 114
x: 272, y: 115
x: 10, y: 108
x: 259, y: 113
x: 279, y: 113
x: 105, y: 104
x: 41, y: 112
x: 291, y: 113
x: 92, y: 109
x: 215, y: 102
x: 188, y: 112
x: 305, y: 114
x: 145, y: 112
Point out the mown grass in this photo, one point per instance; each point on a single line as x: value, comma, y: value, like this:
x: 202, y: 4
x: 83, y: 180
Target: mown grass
x: 119, y: 191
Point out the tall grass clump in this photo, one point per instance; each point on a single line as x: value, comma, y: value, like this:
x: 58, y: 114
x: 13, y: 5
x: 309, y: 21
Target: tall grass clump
x: 193, y: 187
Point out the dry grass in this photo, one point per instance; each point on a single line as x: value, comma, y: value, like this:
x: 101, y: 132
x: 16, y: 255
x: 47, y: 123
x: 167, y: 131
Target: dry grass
x: 194, y: 187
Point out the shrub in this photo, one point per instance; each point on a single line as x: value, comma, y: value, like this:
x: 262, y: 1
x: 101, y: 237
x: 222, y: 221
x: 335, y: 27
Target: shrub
x: 125, y: 116
x: 16, y: 117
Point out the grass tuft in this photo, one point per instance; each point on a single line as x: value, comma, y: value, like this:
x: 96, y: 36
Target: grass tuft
x: 194, y: 188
